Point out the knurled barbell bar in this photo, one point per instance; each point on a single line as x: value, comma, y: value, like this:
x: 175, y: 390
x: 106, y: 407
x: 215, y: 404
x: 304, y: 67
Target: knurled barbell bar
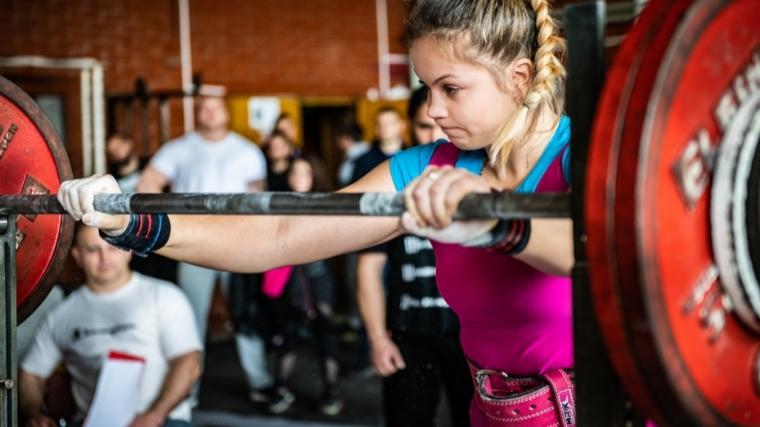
x: 474, y: 206
x: 672, y: 209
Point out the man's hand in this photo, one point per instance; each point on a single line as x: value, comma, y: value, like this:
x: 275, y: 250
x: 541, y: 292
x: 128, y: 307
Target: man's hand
x: 39, y: 420
x: 148, y: 419
x: 386, y: 357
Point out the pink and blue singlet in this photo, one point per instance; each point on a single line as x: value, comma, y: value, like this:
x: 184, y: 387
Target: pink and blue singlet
x: 513, y: 317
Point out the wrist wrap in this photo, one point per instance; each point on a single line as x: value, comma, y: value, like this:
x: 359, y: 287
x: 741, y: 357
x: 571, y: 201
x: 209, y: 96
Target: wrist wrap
x: 509, y: 236
x: 144, y: 234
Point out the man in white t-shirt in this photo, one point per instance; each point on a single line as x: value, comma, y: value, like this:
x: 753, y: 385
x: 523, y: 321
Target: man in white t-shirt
x: 116, y: 310
x: 211, y: 160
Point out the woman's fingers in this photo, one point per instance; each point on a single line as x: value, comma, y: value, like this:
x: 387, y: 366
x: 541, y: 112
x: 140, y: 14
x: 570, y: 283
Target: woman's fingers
x: 440, y: 195
x: 78, y: 198
x: 432, y: 199
x: 416, y: 198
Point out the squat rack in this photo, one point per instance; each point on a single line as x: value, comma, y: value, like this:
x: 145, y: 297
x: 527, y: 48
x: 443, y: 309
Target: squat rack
x: 600, y: 399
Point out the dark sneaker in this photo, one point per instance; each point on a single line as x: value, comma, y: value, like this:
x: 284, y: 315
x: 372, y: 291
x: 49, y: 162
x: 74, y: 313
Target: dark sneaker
x: 281, y: 400
x: 330, y: 404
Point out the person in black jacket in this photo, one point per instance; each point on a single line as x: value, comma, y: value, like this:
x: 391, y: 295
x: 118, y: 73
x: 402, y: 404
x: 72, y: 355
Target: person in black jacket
x: 414, y: 335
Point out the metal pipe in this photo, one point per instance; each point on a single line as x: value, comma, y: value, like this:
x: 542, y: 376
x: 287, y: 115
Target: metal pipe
x: 186, y: 63
x: 98, y: 120
x: 164, y: 113
x: 45, y: 62
x: 86, y: 110
x: 383, y: 67
x: 473, y: 206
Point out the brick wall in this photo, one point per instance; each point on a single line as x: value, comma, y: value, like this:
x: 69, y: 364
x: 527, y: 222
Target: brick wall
x: 302, y: 47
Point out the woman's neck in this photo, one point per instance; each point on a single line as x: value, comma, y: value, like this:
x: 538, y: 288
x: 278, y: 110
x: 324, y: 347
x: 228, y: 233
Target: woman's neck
x: 525, y: 154
x: 280, y: 165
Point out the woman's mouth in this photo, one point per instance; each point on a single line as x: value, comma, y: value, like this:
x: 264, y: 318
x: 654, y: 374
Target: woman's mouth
x: 452, y: 130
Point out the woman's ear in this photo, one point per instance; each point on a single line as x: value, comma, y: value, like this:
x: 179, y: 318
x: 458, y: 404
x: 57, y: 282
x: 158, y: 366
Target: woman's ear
x: 520, y: 76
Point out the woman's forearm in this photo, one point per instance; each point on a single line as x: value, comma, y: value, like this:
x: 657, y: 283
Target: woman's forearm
x: 258, y: 243
x: 550, y: 248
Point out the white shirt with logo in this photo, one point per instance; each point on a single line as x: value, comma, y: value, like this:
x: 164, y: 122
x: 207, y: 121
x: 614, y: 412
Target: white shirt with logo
x: 146, y: 317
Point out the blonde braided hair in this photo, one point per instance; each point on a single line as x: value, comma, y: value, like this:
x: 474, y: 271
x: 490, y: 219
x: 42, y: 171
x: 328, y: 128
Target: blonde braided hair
x: 546, y: 91
x: 498, y: 32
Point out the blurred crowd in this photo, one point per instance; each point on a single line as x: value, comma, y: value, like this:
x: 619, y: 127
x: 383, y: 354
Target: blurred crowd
x: 158, y: 310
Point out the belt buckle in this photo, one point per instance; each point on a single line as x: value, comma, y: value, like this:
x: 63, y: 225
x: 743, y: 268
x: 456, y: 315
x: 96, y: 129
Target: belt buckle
x: 480, y: 378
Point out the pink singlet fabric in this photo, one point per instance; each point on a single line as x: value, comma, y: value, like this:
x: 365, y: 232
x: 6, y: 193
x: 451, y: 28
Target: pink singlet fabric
x: 513, y: 317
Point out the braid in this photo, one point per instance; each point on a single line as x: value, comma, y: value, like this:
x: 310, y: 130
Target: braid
x: 547, y: 89
x: 549, y: 71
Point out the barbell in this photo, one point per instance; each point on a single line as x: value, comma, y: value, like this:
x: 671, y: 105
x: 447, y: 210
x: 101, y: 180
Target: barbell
x: 672, y: 211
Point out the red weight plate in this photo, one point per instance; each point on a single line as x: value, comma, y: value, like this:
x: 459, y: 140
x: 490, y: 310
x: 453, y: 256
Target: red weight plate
x: 33, y: 161
x: 690, y: 360
x: 631, y: 75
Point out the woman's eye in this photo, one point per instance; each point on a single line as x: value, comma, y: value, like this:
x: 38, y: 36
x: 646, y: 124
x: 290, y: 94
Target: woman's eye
x: 451, y: 90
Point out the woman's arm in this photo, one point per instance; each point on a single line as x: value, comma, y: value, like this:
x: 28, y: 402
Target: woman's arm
x: 248, y: 243
x: 550, y: 248
x: 257, y: 243
x: 432, y: 199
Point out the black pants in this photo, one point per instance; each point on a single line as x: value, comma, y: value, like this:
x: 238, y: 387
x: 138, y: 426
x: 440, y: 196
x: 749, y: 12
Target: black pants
x: 410, y: 396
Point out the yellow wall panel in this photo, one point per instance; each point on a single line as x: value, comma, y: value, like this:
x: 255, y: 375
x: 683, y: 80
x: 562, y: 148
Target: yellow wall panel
x: 238, y: 106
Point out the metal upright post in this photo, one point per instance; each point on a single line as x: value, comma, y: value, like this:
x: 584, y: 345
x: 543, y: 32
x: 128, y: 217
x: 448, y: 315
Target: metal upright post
x: 600, y: 399
x: 8, y: 395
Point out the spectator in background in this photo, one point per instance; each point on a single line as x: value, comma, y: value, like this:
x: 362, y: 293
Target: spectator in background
x: 304, y: 293
x: 413, y: 333
x: 212, y: 159
x: 389, y: 139
x: 352, y: 146
x: 123, y: 161
x: 279, y: 149
x: 285, y: 124
x: 116, y: 310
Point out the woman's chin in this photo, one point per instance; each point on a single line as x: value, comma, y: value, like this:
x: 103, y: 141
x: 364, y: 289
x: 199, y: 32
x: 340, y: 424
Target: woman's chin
x: 465, y: 143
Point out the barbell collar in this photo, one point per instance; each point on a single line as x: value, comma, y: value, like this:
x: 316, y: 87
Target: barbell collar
x: 473, y: 206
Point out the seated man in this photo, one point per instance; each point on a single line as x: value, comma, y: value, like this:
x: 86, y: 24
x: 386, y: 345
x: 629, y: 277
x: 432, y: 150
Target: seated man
x: 116, y: 310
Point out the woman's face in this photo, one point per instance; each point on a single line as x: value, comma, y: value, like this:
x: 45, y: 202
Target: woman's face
x: 464, y: 100
x: 279, y: 148
x: 286, y: 126
x: 301, y: 177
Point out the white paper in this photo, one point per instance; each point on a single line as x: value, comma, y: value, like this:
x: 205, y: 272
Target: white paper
x: 262, y: 113
x: 115, y: 401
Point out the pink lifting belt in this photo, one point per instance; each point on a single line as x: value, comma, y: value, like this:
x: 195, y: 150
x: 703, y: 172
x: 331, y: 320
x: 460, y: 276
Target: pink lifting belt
x: 546, y: 400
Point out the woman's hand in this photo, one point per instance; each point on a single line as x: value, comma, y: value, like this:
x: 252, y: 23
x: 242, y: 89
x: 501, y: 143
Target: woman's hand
x: 432, y: 199
x: 78, y: 196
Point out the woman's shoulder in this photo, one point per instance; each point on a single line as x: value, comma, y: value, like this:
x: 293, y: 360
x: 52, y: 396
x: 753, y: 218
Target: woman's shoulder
x: 408, y: 164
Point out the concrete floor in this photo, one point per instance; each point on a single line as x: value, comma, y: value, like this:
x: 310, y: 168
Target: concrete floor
x: 224, y: 394
x: 223, y: 399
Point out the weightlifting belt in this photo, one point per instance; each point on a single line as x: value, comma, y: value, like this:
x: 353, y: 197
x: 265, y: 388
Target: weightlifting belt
x: 541, y: 401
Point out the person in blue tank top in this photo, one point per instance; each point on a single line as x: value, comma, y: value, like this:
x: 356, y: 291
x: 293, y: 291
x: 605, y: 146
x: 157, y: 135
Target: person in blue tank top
x: 496, y: 79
